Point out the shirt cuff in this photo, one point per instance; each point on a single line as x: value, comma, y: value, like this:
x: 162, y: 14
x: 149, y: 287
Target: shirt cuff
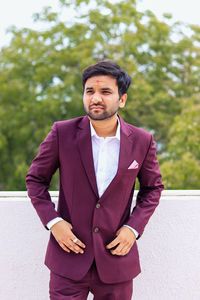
x: 134, y: 231
x: 53, y: 222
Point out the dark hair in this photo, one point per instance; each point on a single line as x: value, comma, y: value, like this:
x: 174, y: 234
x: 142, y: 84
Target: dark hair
x: 108, y: 68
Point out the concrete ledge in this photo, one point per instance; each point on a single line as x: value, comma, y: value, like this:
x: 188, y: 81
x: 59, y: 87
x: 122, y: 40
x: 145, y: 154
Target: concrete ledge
x: 169, y: 249
x: 22, y: 195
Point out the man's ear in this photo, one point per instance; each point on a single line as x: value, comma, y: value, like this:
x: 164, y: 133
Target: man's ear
x: 122, y: 100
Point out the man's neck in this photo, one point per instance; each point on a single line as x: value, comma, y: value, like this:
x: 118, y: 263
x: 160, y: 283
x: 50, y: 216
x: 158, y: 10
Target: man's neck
x: 105, y: 127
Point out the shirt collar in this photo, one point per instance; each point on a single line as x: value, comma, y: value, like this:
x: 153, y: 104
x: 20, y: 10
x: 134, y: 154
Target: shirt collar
x: 117, y: 135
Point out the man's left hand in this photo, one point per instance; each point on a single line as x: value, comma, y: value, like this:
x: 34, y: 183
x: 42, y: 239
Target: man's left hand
x: 124, y: 241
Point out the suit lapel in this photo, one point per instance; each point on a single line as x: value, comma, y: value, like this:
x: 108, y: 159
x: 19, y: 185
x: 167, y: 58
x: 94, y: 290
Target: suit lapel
x: 126, y: 155
x: 126, y: 146
x: 85, y: 149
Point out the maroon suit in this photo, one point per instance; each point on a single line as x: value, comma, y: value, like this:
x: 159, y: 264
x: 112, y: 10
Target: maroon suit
x: 68, y: 147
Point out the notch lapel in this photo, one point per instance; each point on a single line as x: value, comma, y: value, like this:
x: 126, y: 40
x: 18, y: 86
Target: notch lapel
x: 85, y: 149
x: 126, y: 155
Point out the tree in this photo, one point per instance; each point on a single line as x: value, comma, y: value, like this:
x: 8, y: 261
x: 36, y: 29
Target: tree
x: 182, y: 166
x: 40, y: 78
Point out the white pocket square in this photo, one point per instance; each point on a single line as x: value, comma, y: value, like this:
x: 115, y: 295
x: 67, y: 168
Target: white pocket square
x: 133, y: 165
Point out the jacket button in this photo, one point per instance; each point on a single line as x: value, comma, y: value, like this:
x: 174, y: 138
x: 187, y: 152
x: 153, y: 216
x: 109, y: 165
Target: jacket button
x: 98, y: 205
x: 96, y: 229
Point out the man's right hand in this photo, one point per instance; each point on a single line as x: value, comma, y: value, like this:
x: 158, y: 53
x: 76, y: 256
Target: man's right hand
x: 62, y: 231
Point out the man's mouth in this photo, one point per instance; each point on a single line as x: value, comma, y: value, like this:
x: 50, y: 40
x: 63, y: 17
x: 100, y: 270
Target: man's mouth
x: 93, y: 107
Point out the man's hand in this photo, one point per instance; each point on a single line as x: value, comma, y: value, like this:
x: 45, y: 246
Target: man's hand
x: 124, y: 241
x: 62, y: 231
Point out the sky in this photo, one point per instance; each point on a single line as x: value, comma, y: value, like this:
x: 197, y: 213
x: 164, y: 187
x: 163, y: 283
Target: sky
x: 19, y: 13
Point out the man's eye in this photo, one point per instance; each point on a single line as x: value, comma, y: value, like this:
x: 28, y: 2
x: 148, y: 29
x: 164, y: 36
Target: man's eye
x: 89, y: 92
x: 106, y: 92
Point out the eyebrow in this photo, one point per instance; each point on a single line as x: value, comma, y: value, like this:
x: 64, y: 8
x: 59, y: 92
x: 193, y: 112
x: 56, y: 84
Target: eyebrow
x: 106, y: 89
x: 103, y: 89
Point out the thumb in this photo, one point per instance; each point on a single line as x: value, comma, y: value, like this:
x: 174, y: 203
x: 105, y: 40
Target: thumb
x: 69, y: 225
x: 118, y: 231
x: 113, y: 243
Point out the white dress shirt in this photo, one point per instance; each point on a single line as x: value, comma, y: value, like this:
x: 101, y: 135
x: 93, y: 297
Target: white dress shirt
x: 105, y: 156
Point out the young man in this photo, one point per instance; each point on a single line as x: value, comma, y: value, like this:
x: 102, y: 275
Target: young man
x: 92, y: 245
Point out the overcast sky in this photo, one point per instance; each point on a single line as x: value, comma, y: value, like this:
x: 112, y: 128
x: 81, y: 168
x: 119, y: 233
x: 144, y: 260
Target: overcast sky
x: 19, y: 12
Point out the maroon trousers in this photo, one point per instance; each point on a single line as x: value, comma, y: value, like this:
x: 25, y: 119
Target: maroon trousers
x: 61, y: 288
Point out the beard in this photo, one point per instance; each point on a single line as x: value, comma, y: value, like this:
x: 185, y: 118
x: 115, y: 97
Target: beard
x: 100, y: 114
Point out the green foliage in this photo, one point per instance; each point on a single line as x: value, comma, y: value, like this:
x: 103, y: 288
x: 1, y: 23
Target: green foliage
x: 182, y: 168
x: 183, y: 173
x: 40, y: 81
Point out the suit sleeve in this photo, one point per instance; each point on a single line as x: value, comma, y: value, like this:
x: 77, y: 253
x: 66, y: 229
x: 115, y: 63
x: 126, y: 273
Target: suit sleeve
x: 39, y: 177
x: 150, y: 190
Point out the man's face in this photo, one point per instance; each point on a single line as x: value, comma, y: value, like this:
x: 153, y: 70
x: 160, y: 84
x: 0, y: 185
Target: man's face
x: 101, y: 98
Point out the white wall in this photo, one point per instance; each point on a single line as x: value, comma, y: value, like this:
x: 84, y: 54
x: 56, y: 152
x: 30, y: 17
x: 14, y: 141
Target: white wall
x: 169, y: 250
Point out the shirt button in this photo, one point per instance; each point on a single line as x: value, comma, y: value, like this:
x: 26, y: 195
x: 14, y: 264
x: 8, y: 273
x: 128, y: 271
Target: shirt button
x: 98, y: 205
x: 96, y: 229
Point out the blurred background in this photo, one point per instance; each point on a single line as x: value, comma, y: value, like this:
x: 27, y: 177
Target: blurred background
x: 47, y: 45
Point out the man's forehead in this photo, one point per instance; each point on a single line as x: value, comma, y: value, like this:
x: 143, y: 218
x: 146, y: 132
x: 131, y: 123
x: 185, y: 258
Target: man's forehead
x: 101, y: 81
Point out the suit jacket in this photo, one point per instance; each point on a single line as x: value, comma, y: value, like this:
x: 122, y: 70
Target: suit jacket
x: 68, y: 147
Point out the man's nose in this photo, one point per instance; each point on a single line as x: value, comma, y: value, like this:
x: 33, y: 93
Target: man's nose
x: 96, y: 98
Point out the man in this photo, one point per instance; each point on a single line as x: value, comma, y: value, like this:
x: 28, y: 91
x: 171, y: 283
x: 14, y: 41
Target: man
x: 92, y: 245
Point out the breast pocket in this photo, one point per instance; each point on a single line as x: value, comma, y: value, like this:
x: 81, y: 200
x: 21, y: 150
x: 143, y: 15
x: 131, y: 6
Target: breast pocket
x: 129, y: 176
x: 132, y: 172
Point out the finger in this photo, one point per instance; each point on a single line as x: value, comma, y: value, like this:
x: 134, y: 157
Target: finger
x: 67, y: 247
x: 64, y: 247
x: 122, y: 252
x: 119, y: 248
x: 113, y: 243
x: 79, y: 243
x: 75, y: 248
x: 125, y: 250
